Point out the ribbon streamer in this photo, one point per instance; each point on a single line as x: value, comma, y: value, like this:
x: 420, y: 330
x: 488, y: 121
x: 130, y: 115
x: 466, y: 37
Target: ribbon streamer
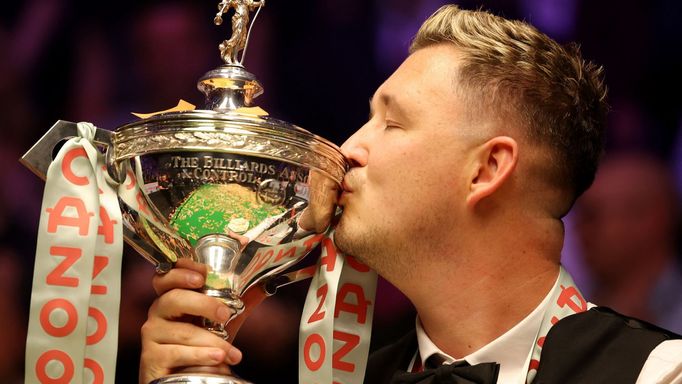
x: 337, y: 319
x: 73, y: 324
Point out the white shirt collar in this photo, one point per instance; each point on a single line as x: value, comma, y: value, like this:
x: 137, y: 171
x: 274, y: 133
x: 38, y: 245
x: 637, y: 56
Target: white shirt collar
x: 512, y: 350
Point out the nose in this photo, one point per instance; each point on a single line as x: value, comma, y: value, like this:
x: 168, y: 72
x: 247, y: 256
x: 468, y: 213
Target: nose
x: 356, y: 149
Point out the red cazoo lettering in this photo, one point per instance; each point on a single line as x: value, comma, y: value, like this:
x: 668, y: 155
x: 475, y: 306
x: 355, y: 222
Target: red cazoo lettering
x: 359, y: 309
x: 54, y: 355
x: 56, y: 276
x: 96, y: 369
x: 328, y: 254
x: 310, y: 362
x: 350, y: 342
x: 571, y: 297
x: 321, y: 296
x: 107, y: 227
x: 66, y: 308
x: 101, y: 262
x: 56, y: 215
x: 67, y: 170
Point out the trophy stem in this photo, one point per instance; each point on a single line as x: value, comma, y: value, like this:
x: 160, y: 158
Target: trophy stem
x: 233, y: 302
x: 219, y: 253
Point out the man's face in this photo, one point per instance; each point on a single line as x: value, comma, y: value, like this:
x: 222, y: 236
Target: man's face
x: 405, y: 194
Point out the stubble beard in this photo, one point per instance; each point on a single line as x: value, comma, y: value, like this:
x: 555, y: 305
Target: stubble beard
x: 352, y: 242
x: 373, y: 248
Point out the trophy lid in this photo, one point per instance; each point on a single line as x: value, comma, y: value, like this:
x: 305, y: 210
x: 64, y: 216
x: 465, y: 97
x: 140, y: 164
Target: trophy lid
x: 231, y: 86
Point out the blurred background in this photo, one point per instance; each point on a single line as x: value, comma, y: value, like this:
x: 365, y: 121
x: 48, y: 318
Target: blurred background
x: 319, y: 62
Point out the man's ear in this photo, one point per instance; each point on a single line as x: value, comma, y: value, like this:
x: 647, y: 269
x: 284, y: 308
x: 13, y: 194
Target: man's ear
x: 495, y: 161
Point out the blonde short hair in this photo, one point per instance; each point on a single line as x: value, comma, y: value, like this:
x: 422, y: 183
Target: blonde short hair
x: 513, y: 71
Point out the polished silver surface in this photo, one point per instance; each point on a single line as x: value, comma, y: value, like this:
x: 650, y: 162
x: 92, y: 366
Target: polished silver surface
x: 220, y: 254
x: 228, y: 88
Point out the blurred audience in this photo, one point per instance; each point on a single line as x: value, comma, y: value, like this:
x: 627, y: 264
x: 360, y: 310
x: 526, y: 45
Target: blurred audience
x: 13, y: 320
x: 171, y: 48
x: 627, y: 225
x: 396, y: 24
x: 676, y: 161
x: 137, y: 295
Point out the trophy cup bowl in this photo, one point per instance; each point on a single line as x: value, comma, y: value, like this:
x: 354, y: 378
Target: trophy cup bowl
x: 226, y: 189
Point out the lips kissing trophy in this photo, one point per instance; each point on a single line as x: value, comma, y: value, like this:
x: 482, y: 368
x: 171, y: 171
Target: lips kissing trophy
x: 229, y: 187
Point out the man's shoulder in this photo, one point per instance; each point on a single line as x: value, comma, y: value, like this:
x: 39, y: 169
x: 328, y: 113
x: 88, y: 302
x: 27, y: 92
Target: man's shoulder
x: 664, y: 364
x: 602, y: 343
x: 604, y: 322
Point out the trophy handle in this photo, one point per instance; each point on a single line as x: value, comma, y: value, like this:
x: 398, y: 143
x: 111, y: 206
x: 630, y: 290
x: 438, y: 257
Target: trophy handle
x: 38, y: 158
x: 271, y: 285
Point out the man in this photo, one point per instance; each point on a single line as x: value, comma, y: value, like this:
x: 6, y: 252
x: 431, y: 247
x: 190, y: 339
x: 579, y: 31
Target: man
x: 477, y: 146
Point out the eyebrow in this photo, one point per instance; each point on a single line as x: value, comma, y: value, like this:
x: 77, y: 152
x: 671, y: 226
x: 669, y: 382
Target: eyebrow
x: 386, y: 100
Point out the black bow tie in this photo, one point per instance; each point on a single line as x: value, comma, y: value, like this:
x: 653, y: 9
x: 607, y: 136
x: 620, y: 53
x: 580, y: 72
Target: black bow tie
x: 456, y: 373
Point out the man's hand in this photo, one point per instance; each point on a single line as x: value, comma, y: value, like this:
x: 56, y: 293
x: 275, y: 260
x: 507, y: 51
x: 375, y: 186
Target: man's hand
x: 170, y: 341
x: 324, y: 193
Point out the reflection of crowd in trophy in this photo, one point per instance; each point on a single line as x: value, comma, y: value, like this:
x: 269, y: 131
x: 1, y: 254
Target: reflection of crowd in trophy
x: 284, y: 185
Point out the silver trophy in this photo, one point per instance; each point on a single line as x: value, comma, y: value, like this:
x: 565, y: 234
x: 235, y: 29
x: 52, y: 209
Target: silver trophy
x: 228, y: 186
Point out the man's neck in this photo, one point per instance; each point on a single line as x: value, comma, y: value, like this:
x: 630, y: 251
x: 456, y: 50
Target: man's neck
x: 494, y: 286
x: 483, y: 312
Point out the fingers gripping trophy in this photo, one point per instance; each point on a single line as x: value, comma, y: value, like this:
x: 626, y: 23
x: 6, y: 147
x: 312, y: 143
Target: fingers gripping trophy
x: 243, y: 193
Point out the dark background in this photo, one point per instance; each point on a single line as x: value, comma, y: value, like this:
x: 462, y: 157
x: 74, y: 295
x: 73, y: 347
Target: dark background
x: 319, y: 61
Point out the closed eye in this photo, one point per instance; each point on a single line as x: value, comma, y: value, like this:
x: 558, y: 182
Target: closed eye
x: 392, y: 125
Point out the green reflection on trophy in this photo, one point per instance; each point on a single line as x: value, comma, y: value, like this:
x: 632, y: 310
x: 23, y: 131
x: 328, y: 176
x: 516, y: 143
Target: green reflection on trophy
x: 228, y: 186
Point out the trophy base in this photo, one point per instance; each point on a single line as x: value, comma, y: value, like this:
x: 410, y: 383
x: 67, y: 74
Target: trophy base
x: 199, y: 378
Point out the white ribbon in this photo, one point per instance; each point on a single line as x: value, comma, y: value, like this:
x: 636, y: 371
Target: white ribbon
x: 73, y: 325
x: 337, y: 320
x: 564, y: 302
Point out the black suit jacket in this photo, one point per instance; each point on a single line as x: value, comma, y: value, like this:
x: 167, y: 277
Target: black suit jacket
x: 596, y: 346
